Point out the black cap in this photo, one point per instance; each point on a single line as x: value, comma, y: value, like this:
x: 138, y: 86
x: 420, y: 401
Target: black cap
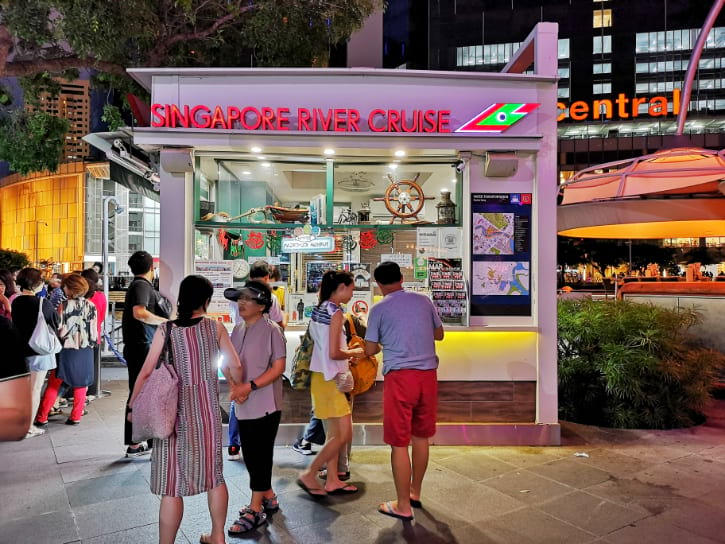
x: 256, y: 295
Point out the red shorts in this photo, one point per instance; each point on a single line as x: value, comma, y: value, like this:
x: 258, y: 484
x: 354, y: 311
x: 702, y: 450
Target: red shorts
x: 410, y: 405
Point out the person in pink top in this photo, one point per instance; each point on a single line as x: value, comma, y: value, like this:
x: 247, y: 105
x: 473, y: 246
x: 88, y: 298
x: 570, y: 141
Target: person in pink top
x: 98, y: 298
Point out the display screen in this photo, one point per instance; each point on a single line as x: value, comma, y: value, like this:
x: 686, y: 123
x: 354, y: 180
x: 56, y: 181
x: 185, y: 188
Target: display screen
x: 501, y: 254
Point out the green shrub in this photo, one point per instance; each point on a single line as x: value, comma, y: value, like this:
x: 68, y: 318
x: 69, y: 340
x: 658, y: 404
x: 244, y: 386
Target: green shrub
x: 10, y: 258
x: 630, y: 365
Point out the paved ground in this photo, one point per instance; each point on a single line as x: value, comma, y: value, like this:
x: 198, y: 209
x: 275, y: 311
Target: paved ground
x: 73, y: 485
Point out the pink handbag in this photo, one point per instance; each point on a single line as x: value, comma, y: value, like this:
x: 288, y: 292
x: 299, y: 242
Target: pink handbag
x: 155, y: 407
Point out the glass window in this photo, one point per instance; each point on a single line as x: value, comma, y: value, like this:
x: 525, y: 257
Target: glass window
x: 642, y: 88
x: 602, y: 68
x: 563, y: 45
x: 562, y: 92
x: 602, y: 18
x: 602, y: 88
x: 135, y: 200
x: 135, y: 221
x: 602, y: 44
x: 641, y: 67
x: 459, y: 56
x: 135, y: 242
x: 641, y: 42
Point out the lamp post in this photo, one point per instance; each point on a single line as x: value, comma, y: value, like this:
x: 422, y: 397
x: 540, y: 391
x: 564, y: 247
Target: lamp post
x: 117, y: 210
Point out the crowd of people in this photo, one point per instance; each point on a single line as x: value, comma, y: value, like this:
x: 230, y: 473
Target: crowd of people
x: 190, y: 461
x: 73, y: 309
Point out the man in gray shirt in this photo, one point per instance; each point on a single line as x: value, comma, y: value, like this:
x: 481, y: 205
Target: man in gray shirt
x: 405, y: 326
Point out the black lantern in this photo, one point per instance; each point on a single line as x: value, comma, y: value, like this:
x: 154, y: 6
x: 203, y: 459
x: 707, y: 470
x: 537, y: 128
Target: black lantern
x: 446, y: 209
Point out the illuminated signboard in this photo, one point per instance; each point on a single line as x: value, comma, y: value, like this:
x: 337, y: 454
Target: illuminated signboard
x: 621, y: 107
x: 495, y: 118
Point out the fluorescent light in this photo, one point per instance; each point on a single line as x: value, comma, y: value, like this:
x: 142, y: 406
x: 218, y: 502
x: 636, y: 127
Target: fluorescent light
x: 399, y: 153
x: 266, y: 164
x: 392, y: 166
x: 329, y: 151
x: 256, y: 149
x: 246, y: 173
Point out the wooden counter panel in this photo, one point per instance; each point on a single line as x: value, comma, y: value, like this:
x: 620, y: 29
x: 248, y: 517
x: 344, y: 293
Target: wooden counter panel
x: 458, y: 401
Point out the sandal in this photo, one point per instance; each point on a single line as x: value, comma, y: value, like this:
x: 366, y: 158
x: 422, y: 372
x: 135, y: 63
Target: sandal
x: 343, y: 476
x: 270, y: 505
x: 248, y: 520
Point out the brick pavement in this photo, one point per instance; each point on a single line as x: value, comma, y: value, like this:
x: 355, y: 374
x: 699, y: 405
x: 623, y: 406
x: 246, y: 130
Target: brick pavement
x: 73, y: 485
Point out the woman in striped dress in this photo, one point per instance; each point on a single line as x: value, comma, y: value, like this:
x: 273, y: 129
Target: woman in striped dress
x: 189, y: 462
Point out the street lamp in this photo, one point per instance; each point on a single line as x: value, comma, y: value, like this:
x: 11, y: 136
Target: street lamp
x: 117, y: 209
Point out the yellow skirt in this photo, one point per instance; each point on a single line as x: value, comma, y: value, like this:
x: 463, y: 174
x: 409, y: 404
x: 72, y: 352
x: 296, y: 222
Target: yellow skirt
x: 327, y: 401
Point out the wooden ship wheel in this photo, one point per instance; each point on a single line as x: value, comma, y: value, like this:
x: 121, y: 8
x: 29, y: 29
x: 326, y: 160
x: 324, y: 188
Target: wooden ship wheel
x: 404, y: 199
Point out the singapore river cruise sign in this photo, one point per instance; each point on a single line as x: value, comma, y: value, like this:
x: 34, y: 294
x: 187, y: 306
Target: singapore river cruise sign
x: 495, y: 118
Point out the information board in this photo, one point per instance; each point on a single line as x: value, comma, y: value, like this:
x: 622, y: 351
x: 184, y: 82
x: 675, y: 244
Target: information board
x: 500, y: 254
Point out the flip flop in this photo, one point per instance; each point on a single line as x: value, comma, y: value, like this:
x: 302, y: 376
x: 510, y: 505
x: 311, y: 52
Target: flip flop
x: 314, y: 492
x: 387, y: 509
x: 416, y: 503
x: 345, y: 490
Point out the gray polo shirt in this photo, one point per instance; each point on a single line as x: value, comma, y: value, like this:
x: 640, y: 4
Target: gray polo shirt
x: 258, y: 346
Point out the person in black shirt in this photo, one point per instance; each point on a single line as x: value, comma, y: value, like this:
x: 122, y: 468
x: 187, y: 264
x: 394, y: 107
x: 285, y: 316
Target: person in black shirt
x: 143, y: 310
x: 15, y: 400
x: 25, y: 317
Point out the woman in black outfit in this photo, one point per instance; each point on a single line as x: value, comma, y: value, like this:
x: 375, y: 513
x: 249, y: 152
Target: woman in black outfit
x: 25, y: 316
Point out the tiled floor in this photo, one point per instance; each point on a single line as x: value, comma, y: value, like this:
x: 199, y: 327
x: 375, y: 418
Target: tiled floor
x: 74, y: 485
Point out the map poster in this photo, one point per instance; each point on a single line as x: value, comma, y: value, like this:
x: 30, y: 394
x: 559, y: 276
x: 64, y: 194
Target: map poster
x: 501, y: 254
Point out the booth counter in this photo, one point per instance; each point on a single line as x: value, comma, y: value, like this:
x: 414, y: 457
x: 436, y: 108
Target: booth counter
x: 452, y: 175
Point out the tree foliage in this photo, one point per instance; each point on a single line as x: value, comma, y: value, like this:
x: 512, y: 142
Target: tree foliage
x: 10, y: 258
x: 32, y: 141
x: 631, y: 365
x: 43, y: 40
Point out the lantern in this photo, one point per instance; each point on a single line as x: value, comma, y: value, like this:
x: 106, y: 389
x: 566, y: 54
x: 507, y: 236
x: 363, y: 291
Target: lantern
x: 446, y: 209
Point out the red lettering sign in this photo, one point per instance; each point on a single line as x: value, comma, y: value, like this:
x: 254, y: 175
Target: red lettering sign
x: 303, y: 119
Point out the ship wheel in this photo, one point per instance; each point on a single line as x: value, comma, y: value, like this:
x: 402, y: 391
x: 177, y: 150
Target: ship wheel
x: 404, y: 199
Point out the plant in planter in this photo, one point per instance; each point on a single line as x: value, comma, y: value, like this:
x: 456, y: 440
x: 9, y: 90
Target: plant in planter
x: 631, y: 365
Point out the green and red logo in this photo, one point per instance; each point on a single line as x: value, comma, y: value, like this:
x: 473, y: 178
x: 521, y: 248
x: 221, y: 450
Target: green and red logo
x: 498, y: 117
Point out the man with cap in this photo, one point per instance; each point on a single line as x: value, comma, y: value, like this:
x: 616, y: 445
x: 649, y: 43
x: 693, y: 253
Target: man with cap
x: 405, y: 326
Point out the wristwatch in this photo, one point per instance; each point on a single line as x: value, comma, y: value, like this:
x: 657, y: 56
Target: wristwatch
x: 253, y: 385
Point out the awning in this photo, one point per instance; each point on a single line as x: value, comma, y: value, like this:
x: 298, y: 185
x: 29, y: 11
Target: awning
x: 128, y: 166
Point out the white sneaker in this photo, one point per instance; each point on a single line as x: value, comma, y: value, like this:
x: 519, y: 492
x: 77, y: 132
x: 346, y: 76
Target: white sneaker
x: 34, y: 431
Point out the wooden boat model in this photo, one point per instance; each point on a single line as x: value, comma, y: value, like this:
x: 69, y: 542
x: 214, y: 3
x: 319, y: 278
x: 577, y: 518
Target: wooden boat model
x: 288, y: 215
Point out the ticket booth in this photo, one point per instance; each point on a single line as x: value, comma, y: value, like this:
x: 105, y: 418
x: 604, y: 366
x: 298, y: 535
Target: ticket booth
x: 450, y: 174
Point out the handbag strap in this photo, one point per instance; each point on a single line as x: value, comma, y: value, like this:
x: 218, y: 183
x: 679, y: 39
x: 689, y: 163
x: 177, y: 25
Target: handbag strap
x: 351, y: 322
x: 166, y: 350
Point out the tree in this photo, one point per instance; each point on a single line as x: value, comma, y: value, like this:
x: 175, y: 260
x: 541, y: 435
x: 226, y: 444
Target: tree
x: 42, y: 40
x: 10, y: 258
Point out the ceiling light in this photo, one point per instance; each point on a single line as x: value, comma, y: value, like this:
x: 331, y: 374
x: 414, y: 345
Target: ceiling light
x: 256, y: 149
x: 246, y: 173
x: 454, y: 180
x: 261, y: 157
x: 329, y: 151
x: 266, y: 164
x: 399, y: 153
x: 392, y: 166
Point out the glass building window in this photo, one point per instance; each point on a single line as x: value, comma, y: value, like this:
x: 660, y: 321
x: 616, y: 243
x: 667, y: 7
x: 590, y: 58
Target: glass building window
x: 563, y: 46
x: 602, y: 44
x: 602, y: 88
x: 135, y: 242
x: 602, y: 68
x: 602, y: 18
x: 135, y: 221
x: 562, y: 92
